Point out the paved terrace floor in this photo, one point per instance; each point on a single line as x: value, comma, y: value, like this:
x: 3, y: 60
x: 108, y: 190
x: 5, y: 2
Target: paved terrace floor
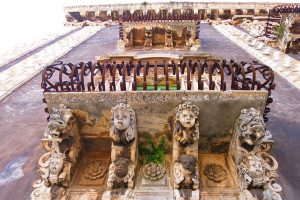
x: 23, y: 120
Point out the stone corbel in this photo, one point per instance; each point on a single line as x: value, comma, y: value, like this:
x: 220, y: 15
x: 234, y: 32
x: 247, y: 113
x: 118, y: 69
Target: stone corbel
x: 63, y: 143
x: 185, y: 152
x: 128, y: 37
x: 169, y: 37
x: 148, y: 37
x: 123, y: 133
x: 256, y: 168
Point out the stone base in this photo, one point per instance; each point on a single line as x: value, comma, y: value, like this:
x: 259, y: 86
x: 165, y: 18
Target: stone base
x: 150, y: 190
x: 119, y: 194
x: 186, y: 194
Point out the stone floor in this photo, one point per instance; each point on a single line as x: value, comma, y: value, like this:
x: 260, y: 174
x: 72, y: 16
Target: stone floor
x: 23, y: 121
x: 283, y: 64
x: 13, y: 76
x: 11, y: 53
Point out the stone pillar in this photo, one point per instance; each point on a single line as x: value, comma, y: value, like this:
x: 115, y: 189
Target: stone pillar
x: 244, y: 11
x: 232, y: 11
x: 256, y: 12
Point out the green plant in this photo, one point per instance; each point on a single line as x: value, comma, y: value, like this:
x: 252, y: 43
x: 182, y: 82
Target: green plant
x: 145, y: 3
x: 151, y: 152
x: 280, y: 30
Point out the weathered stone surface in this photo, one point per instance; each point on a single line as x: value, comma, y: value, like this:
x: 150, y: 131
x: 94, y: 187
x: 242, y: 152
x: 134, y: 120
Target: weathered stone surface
x: 227, y: 104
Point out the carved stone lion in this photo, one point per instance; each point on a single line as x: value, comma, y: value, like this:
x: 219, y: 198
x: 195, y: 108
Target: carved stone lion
x: 148, y: 37
x: 123, y: 124
x: 121, y: 173
x: 185, y: 175
x: 186, y: 123
x: 169, y: 37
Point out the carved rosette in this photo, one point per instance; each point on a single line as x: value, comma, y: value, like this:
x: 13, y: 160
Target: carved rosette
x: 215, y: 173
x: 256, y: 168
x: 154, y: 171
x: 94, y: 170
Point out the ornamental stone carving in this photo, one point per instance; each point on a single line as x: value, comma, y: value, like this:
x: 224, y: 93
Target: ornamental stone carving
x: 63, y: 143
x: 252, y: 132
x: 64, y: 146
x: 189, y: 37
x: 123, y: 132
x: 123, y: 125
x: 186, y: 124
x: 185, y: 173
x: 185, y: 151
x: 169, y: 37
x: 256, y: 168
x: 258, y: 171
x: 154, y: 171
x: 94, y: 170
x: 121, y: 173
x: 215, y: 173
x: 54, y: 169
x: 128, y: 37
x: 148, y: 37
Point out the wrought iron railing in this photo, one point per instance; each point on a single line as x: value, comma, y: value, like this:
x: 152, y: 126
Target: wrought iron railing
x: 274, y: 17
x: 134, y: 75
x: 136, y: 17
